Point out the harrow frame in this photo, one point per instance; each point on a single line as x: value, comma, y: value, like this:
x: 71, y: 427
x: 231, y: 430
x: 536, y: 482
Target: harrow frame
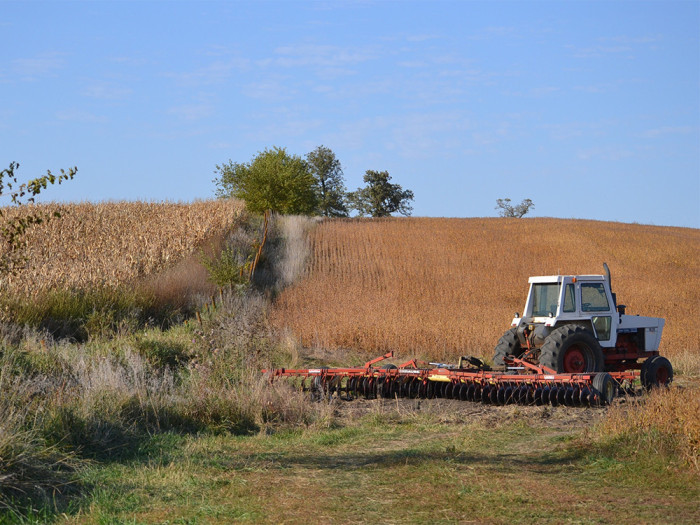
x: 538, y: 385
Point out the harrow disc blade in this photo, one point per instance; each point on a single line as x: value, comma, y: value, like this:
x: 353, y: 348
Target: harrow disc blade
x: 545, y: 395
x: 493, y: 395
x: 539, y: 393
x: 530, y: 395
x: 569, y: 397
x: 485, y: 394
x: 509, y: 395
x: 464, y: 387
x: 415, y: 388
x: 561, y: 395
x: 501, y: 394
x: 554, y: 396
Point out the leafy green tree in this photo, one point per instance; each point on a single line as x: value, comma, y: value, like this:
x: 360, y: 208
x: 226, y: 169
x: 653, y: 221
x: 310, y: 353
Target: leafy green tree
x: 330, y: 187
x: 13, y: 227
x: 506, y: 209
x: 274, y: 180
x: 380, y: 198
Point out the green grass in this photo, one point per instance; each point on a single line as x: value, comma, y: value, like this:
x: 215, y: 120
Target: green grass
x: 413, y: 467
x: 99, y: 312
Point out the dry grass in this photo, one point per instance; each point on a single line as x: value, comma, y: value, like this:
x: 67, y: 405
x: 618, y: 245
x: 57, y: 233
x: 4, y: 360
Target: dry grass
x: 665, y: 422
x: 440, y: 288
x: 112, y: 243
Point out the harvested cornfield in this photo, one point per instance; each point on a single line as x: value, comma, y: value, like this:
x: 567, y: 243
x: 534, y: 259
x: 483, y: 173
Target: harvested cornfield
x: 439, y: 288
x: 112, y: 243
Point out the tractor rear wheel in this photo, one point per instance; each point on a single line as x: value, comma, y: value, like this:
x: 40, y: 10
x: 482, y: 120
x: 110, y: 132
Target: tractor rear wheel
x: 572, y: 349
x: 507, y: 344
x: 656, y: 371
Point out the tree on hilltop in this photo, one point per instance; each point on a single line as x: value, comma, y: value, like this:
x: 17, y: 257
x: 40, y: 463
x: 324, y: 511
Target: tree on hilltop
x: 518, y: 211
x: 380, y: 198
x: 330, y: 188
x: 273, y: 180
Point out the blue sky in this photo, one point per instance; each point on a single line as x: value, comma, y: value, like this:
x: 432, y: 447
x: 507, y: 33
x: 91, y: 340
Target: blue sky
x: 591, y: 109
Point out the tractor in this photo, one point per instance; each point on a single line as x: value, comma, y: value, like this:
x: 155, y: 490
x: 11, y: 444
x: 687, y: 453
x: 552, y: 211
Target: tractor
x: 573, y: 324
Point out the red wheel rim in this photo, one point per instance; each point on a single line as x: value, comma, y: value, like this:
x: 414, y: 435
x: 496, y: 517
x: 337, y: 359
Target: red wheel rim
x: 662, y: 375
x: 574, y: 360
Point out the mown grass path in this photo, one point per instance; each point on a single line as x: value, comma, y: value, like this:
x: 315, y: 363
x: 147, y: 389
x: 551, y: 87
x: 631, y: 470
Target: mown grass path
x: 382, y: 463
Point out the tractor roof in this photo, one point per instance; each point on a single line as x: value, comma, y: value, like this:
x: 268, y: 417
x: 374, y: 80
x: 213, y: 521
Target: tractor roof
x: 560, y: 278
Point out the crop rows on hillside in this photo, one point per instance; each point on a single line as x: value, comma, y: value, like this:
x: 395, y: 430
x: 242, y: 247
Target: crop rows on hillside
x: 112, y: 243
x: 438, y: 288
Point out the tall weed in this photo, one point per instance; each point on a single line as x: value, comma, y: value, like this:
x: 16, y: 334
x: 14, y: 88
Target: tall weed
x: 666, y: 422
x: 29, y: 468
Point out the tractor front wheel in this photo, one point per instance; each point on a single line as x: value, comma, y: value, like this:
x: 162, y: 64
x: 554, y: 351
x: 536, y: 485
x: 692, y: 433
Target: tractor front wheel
x: 507, y: 344
x: 572, y: 349
x: 656, y: 371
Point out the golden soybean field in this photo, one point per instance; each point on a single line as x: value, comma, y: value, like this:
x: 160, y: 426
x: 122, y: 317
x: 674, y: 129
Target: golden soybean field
x: 112, y: 243
x: 438, y: 288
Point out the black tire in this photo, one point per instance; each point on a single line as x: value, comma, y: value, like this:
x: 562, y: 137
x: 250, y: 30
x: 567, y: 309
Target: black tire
x: 656, y: 372
x: 604, y: 388
x: 572, y: 349
x: 507, y: 344
x: 319, y: 387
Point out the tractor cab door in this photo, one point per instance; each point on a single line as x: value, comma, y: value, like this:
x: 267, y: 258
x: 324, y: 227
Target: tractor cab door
x: 595, y: 302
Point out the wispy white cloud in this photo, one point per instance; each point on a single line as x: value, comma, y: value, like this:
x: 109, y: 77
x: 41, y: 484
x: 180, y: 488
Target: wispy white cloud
x: 192, y: 111
x: 80, y: 116
x: 33, y: 68
x: 620, y: 46
x: 607, y: 153
x: 627, y: 40
x: 422, y: 37
x: 314, y: 55
x: 213, y: 73
x: 668, y: 130
x: 543, y: 91
x: 270, y: 89
x: 130, y: 60
x: 106, y: 91
x: 492, y: 32
x: 603, y: 87
x: 598, y: 51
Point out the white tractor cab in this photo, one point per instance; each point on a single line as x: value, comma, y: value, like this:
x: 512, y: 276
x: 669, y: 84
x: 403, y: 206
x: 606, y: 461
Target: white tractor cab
x: 573, y: 324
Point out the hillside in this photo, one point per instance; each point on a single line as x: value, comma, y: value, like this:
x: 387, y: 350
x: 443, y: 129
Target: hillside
x: 438, y: 288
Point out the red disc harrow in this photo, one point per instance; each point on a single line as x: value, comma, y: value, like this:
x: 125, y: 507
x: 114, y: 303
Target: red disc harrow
x: 522, y: 383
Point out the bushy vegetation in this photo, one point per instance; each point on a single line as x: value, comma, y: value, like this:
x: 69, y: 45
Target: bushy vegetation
x: 277, y: 181
x: 62, y: 403
x: 380, y: 198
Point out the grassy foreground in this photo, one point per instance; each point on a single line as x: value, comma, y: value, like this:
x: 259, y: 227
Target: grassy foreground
x: 433, y: 462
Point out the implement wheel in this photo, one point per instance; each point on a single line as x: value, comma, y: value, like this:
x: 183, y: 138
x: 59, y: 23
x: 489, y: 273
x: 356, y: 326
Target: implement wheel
x: 604, y: 388
x: 572, y: 349
x: 507, y: 344
x: 656, y: 371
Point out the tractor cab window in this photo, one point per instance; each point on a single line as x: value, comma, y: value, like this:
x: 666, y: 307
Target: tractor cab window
x: 545, y: 298
x: 593, y: 298
x: 569, y: 299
